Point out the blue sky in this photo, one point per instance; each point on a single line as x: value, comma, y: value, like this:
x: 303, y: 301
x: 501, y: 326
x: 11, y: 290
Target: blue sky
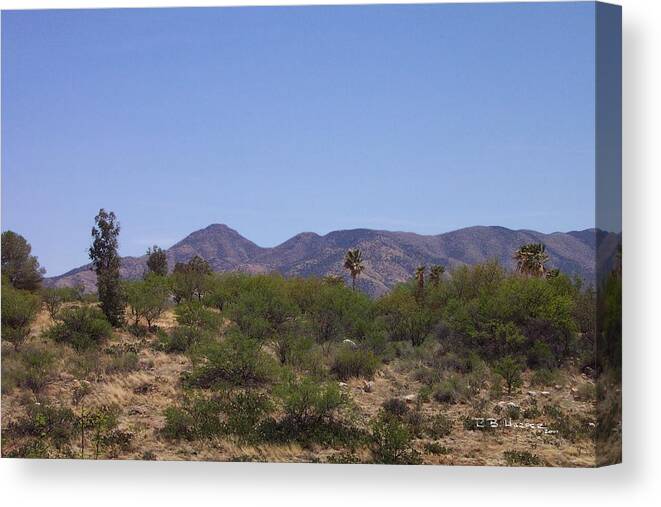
x: 282, y: 120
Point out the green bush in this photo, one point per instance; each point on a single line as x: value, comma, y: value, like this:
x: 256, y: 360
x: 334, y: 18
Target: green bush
x: 436, y: 448
x: 450, y: 390
x: 81, y: 327
x: 19, y: 309
x: 351, y: 362
x: 439, y: 426
x: 391, y: 442
x: 195, y: 314
x: 196, y: 417
x: 395, y: 407
x: 46, y: 426
x: 509, y: 368
x: 123, y: 362
x: 521, y: 458
x: 182, y: 338
x: 236, y: 361
x: 245, y: 412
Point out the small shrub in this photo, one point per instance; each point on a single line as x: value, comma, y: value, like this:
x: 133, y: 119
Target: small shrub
x: 439, y: 426
x: 37, y: 368
x: 181, y: 338
x: 436, y: 448
x: 50, y: 425
x: 391, y: 442
x: 396, y: 407
x: 354, y: 363
x: 245, y: 413
x: 521, y: 458
x: 510, y: 369
x: 424, y: 394
x: 513, y: 412
x: 196, y: 417
x: 81, y: 327
x: 450, y: 390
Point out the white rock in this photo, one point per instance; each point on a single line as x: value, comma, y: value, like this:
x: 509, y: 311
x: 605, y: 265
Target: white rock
x: 410, y: 398
x: 368, y: 386
x: 350, y: 343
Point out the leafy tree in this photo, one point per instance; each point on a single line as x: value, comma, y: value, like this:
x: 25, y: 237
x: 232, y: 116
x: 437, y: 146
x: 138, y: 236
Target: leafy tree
x: 19, y: 309
x: 148, y: 298
x: 353, y: 262
x: 510, y: 369
x: 157, y: 261
x: 54, y: 297
x: 191, y: 280
x: 106, y: 263
x: 531, y: 259
x: 18, y: 265
x: 391, y: 441
x: 403, y: 317
x: 435, y: 274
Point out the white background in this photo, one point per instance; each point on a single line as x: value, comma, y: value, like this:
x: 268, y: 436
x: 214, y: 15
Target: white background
x: 636, y: 482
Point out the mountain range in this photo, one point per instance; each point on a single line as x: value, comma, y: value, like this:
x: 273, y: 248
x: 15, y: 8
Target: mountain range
x: 389, y: 257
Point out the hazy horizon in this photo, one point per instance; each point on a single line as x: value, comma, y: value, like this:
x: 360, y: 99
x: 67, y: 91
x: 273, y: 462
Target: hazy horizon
x: 276, y: 121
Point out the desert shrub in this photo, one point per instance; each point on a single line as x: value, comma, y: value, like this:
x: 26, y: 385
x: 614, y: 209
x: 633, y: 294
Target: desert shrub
x: 351, y: 362
x: 513, y: 411
x: 237, y: 361
x: 545, y: 377
x: 521, y: 458
x: 390, y: 441
x: 450, y: 390
x: 427, y: 376
x: 196, y: 417
x: 531, y: 412
x: 436, y: 448
x: 395, y: 407
x: 424, y: 394
x: 37, y: 368
x: 19, y: 309
x: 568, y: 426
x: 509, y: 368
x: 81, y: 327
x: 439, y: 426
x: 344, y: 458
x: 195, y: 314
x: 181, y: 338
x: 50, y: 425
x: 307, y: 402
x: 245, y: 412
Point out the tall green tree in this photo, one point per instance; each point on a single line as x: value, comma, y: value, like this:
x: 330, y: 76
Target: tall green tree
x: 18, y: 265
x: 191, y: 279
x: 435, y: 274
x: 106, y: 262
x: 157, y: 261
x: 531, y: 259
x: 353, y: 262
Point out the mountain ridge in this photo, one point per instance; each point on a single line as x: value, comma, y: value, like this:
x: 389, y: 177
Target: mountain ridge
x: 390, y: 256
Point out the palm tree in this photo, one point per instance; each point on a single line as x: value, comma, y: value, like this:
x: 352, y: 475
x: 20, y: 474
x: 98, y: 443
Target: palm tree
x: 353, y: 261
x: 435, y: 274
x: 531, y: 259
x: 420, y: 276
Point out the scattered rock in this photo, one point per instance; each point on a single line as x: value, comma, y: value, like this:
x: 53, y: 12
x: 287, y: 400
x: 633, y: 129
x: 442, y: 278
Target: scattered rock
x: 350, y: 343
x: 368, y: 386
x: 410, y: 398
x: 532, y: 393
x: 558, y: 386
x: 342, y: 384
x: 574, y: 390
x: 545, y: 393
